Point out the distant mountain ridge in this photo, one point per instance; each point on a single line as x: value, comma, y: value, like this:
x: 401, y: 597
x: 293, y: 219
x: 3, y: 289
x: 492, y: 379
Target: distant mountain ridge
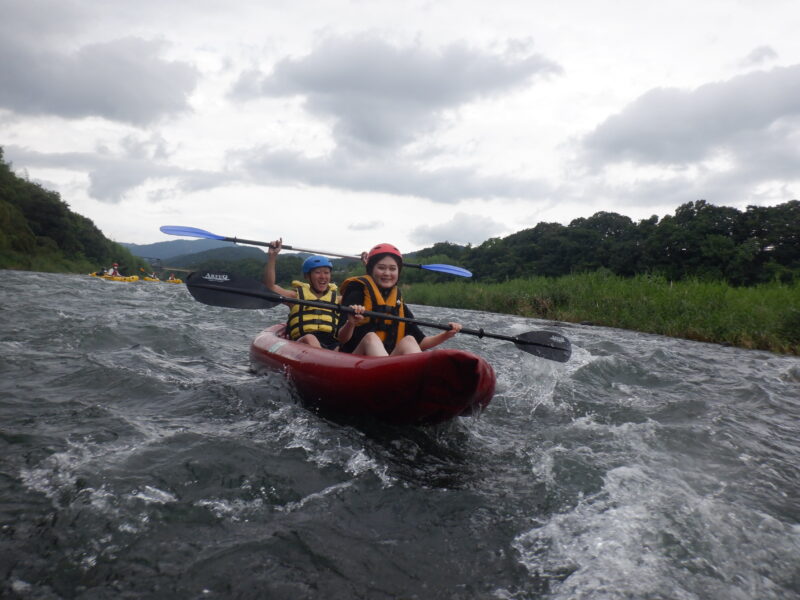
x: 172, y: 248
x: 229, y: 253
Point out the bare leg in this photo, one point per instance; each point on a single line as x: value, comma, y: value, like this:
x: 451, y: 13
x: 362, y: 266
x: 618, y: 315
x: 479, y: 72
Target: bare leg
x: 408, y: 345
x: 311, y: 340
x: 371, y: 345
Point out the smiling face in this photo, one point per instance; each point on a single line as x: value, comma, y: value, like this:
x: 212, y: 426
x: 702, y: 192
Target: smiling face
x: 386, y: 272
x: 319, y: 279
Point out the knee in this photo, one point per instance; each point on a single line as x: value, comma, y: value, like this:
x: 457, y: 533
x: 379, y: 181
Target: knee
x: 371, y: 345
x: 372, y: 338
x: 408, y: 345
x: 311, y: 340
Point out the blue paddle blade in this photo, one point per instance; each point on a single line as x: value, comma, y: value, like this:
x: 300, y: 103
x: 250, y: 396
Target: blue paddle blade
x: 449, y: 269
x: 189, y: 232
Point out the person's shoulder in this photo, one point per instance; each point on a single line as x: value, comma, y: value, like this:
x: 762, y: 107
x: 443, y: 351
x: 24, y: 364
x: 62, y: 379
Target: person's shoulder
x: 352, y: 283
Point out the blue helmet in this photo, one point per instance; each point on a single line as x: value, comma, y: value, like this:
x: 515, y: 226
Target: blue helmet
x: 313, y: 262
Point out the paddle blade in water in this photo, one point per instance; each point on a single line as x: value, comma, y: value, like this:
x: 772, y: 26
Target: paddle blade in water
x: 189, y: 232
x: 546, y: 344
x: 449, y: 269
x: 217, y: 288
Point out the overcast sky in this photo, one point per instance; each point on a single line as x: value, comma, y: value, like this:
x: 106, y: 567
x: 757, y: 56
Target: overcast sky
x: 338, y: 125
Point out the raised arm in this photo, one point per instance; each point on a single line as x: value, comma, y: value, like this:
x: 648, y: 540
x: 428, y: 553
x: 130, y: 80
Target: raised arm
x: 269, y: 270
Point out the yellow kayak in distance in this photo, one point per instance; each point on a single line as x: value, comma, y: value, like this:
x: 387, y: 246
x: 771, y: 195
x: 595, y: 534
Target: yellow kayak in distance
x: 173, y: 281
x: 114, y: 278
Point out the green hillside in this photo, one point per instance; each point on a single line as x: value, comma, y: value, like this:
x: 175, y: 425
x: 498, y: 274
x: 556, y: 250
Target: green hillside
x: 39, y: 232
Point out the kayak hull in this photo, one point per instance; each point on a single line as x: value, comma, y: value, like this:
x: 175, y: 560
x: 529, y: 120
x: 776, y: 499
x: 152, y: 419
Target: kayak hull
x: 129, y: 278
x: 425, y: 388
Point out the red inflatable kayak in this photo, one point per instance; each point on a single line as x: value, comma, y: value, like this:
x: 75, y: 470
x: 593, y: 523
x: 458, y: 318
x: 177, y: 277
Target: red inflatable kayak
x: 425, y: 388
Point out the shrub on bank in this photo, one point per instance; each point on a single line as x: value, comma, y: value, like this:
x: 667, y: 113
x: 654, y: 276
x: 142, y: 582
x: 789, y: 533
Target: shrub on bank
x: 766, y: 316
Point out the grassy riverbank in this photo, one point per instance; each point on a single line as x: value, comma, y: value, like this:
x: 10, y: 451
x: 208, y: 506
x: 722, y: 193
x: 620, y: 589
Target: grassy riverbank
x: 765, y: 317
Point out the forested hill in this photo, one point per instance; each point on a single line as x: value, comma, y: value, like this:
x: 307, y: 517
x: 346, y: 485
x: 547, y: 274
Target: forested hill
x: 38, y: 232
x: 701, y: 240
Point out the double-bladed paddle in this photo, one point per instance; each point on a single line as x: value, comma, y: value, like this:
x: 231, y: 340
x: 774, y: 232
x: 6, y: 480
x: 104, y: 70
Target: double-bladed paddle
x: 233, y: 291
x: 201, y: 233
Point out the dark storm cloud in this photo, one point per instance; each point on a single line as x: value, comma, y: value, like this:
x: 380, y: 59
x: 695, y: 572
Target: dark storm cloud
x: 671, y: 126
x: 343, y: 171
x: 382, y: 96
x: 122, y: 80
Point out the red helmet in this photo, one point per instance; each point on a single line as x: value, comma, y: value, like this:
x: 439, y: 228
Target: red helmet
x: 115, y: 265
x: 385, y: 249
x: 382, y: 250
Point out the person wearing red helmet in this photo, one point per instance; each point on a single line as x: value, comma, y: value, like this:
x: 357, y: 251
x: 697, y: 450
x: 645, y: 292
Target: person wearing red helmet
x: 113, y: 271
x: 378, y: 291
x: 313, y: 326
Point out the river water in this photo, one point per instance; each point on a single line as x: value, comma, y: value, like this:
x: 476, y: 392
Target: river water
x: 142, y: 459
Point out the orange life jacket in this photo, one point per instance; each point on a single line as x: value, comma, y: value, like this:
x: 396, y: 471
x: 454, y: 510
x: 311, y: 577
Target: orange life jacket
x: 389, y: 332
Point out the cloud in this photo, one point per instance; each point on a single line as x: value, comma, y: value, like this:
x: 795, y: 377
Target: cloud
x: 111, y: 175
x: 342, y: 171
x: 758, y: 56
x: 671, y: 126
x: 43, y: 20
x: 461, y: 229
x: 735, y: 142
x: 122, y: 80
x: 761, y: 168
x: 381, y: 96
x: 365, y: 226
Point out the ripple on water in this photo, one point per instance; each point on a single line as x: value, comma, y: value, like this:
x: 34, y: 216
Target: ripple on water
x: 143, y: 459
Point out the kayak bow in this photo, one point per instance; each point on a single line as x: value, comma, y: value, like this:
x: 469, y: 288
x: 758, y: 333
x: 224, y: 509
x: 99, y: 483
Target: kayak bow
x: 413, y: 389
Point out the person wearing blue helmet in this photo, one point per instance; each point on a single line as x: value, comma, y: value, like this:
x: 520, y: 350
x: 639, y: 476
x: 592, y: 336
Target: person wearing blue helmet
x: 314, y: 326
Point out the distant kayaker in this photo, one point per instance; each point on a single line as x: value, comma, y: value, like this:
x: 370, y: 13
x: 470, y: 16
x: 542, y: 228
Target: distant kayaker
x: 378, y: 291
x: 113, y: 271
x: 313, y: 326
x: 171, y: 277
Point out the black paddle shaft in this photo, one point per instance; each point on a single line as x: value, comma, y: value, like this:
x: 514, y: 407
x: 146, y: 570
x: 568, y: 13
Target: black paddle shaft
x: 545, y: 344
x: 542, y: 339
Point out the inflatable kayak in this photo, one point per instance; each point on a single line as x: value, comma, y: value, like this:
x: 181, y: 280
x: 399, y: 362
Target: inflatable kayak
x: 172, y: 281
x: 425, y: 388
x: 115, y: 278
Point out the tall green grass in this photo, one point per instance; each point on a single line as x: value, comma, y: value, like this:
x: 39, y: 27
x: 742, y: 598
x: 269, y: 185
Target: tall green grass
x: 765, y: 317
